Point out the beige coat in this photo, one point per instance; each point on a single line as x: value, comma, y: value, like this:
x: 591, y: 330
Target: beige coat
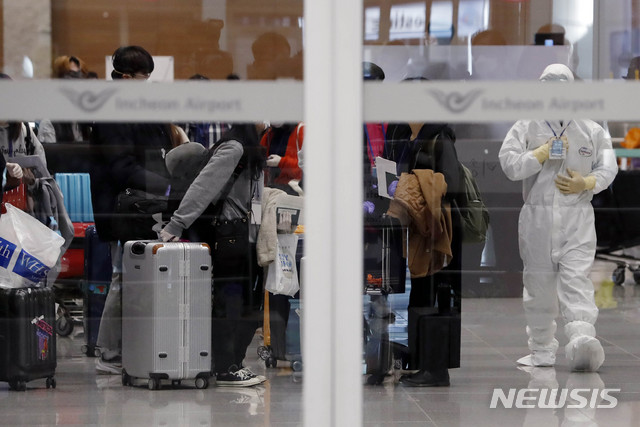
x: 418, y: 204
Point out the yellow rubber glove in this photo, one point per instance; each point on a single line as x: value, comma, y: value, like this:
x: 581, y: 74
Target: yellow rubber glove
x: 542, y: 153
x: 574, y: 183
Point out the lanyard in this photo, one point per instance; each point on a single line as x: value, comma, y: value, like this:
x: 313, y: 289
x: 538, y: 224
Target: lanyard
x: 554, y: 132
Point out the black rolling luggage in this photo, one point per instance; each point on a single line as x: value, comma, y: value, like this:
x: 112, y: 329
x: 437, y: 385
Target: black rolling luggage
x: 434, y: 338
x: 97, y: 278
x: 27, y: 336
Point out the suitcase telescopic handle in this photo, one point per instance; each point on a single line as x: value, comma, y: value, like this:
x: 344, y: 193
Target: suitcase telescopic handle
x: 138, y: 248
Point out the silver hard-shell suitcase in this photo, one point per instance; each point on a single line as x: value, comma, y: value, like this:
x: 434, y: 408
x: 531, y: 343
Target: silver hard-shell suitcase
x: 166, y: 312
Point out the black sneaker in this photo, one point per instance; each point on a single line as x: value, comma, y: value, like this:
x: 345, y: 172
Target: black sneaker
x: 239, y: 378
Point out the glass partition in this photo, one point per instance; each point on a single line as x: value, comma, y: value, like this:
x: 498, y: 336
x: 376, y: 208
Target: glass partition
x: 388, y: 326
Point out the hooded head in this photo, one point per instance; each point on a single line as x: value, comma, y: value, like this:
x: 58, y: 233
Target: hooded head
x: 557, y: 73
x: 185, y: 160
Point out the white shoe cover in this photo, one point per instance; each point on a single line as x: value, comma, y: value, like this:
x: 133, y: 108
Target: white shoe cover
x: 526, y: 360
x: 585, y: 354
x: 538, y: 359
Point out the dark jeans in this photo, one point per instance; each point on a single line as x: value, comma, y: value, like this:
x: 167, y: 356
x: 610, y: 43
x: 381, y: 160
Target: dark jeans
x: 234, y: 319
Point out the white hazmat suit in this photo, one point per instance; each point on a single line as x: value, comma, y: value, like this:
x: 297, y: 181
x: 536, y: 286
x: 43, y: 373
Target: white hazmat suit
x: 556, y: 229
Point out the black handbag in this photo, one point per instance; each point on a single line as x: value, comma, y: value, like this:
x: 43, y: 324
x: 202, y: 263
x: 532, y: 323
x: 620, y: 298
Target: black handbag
x: 133, y: 215
x: 230, y: 251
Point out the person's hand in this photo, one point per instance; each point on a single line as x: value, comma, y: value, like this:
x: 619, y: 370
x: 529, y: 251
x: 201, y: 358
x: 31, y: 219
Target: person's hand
x: 165, y: 236
x: 14, y: 170
x: 542, y: 153
x: 392, y: 188
x: 574, y: 183
x: 284, y: 222
x: 368, y: 207
x: 273, y: 160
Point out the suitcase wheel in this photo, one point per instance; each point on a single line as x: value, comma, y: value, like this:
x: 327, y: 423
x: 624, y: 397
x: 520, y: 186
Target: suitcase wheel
x: 126, y: 379
x: 264, y: 352
x: 618, y: 275
x: 271, y: 362
x: 154, y: 384
x: 64, y: 326
x: 18, y: 385
x: 202, y: 383
x: 51, y: 382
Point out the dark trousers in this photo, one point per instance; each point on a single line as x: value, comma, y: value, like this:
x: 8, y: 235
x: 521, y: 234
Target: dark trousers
x: 444, y: 288
x: 234, y: 319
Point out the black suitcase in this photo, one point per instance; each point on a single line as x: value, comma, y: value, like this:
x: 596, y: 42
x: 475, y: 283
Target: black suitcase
x: 434, y: 338
x: 97, y: 271
x: 27, y: 336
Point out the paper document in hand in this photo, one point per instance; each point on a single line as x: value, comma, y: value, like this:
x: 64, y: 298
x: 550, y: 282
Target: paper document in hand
x: 292, y: 205
x: 386, y: 174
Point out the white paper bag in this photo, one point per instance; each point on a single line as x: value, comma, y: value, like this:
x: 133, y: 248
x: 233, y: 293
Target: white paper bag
x: 282, y: 274
x: 28, y: 249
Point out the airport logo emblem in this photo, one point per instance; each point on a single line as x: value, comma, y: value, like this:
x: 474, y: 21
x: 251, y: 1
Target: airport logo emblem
x: 455, y: 102
x: 87, y: 100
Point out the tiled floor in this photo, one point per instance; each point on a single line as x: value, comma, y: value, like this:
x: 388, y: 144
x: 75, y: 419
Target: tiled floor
x: 492, y: 339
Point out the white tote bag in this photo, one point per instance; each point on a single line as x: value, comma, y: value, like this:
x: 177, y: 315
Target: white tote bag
x: 28, y: 249
x: 282, y: 274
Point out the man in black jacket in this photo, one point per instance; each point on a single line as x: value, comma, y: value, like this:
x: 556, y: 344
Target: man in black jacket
x: 124, y: 155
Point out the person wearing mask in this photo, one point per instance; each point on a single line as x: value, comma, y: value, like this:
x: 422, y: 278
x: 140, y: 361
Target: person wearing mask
x: 562, y: 164
x: 222, y: 192
x: 124, y: 155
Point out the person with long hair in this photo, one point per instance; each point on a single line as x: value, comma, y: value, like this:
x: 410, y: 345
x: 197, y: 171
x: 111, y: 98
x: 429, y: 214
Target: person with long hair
x: 222, y: 193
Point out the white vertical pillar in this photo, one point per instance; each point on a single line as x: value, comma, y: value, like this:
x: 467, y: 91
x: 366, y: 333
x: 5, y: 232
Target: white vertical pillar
x: 26, y: 30
x: 333, y: 213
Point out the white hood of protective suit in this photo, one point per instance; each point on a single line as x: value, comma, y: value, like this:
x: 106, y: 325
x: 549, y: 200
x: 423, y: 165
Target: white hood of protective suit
x: 556, y: 72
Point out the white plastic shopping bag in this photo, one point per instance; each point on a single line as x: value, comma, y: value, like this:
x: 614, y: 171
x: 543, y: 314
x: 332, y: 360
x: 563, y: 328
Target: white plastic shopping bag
x: 28, y: 249
x: 282, y: 274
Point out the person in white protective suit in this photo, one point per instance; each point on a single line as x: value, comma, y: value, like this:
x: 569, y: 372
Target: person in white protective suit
x: 557, y: 236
